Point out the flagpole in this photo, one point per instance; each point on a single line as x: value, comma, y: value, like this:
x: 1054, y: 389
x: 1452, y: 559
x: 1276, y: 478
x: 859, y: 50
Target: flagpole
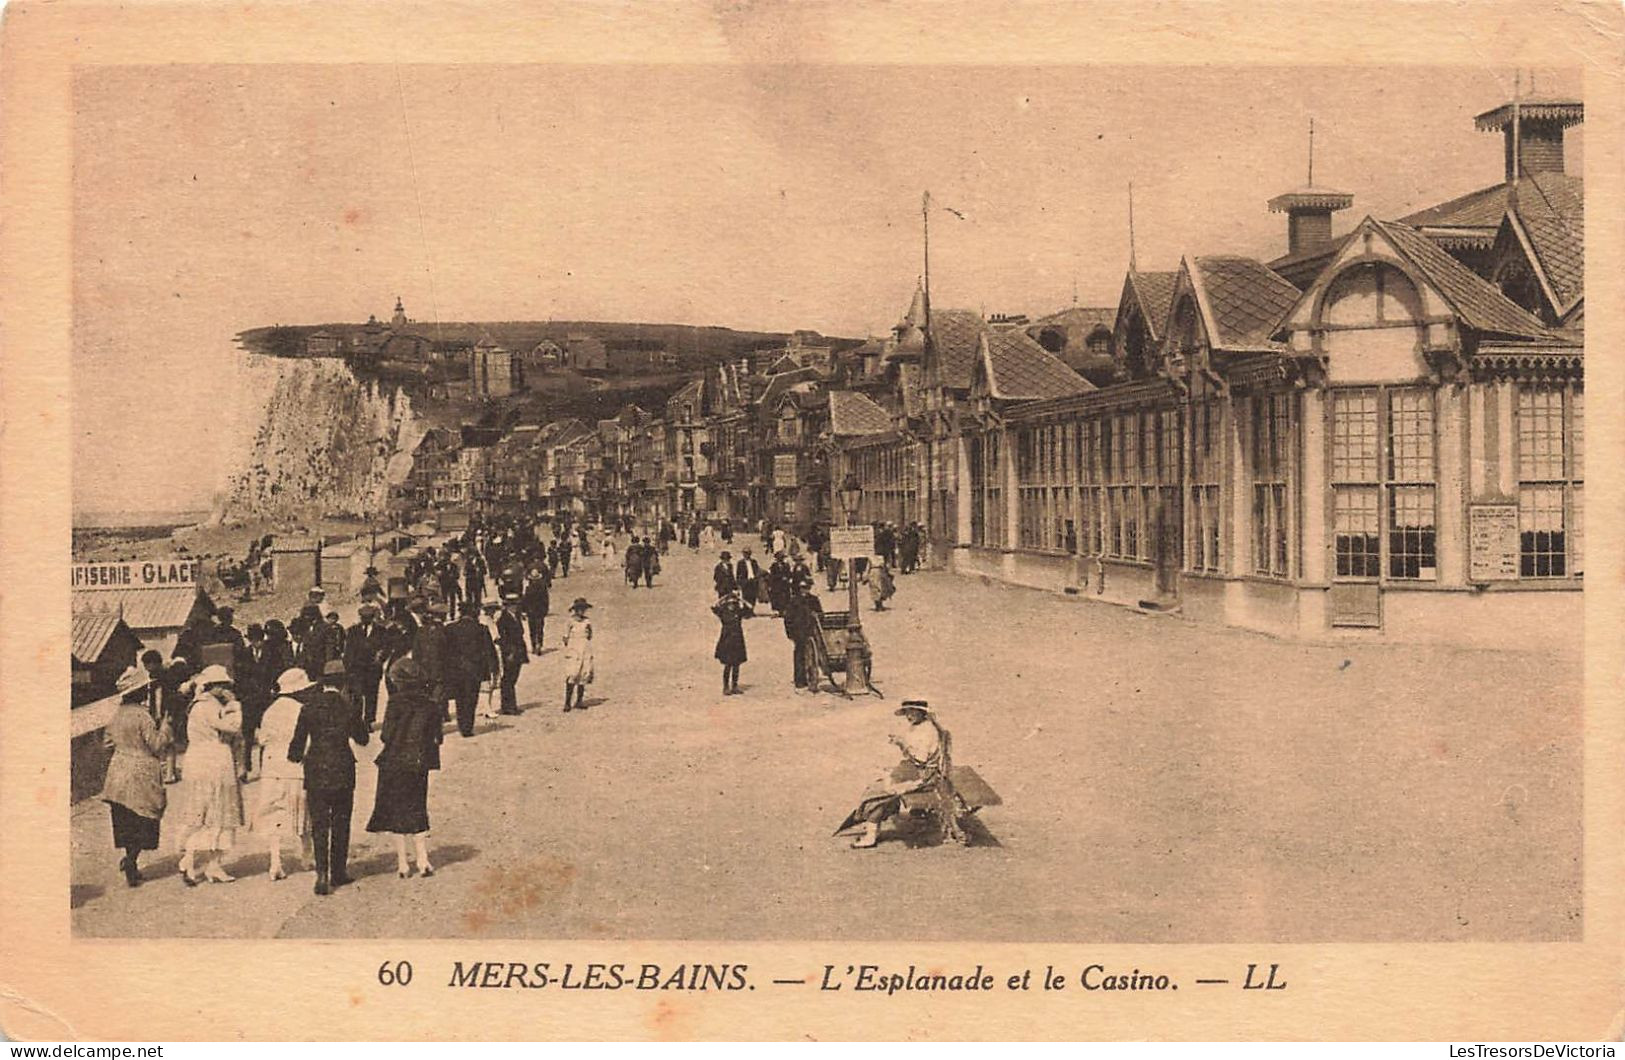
x: 1132, y: 264
x: 925, y: 217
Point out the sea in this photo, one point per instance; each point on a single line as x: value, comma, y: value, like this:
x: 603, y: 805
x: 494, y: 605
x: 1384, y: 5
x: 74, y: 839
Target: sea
x: 138, y: 520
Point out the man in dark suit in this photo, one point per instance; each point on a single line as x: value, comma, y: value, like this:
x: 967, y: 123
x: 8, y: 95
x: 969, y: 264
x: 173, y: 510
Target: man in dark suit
x: 651, y: 564
x: 748, y: 576
x: 470, y: 659
x: 429, y: 649
x: 511, y: 648
x: 801, y: 626
x: 255, y: 689
x: 365, y: 645
x: 536, y: 603
x: 722, y: 575
x: 321, y: 740
x: 474, y: 580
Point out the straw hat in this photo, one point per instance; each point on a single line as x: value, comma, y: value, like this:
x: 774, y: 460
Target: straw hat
x: 212, y: 675
x: 132, y: 679
x: 293, y: 680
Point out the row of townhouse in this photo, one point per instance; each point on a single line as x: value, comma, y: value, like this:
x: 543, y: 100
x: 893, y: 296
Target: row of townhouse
x: 1374, y: 434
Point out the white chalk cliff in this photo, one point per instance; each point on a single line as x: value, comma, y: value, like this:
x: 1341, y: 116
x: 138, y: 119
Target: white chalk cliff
x: 327, y: 443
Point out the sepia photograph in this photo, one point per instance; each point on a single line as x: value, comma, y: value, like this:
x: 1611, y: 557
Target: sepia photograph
x: 837, y: 488
x: 803, y: 522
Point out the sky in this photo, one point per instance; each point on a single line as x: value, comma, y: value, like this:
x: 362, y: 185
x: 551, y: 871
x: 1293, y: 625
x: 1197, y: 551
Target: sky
x: 210, y: 199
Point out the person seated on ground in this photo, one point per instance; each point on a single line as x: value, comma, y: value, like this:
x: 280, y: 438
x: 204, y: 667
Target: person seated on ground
x: 923, y: 770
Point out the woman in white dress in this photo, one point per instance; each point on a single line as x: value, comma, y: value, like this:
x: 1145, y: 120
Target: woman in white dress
x: 211, y: 798
x: 577, y: 655
x: 282, y: 812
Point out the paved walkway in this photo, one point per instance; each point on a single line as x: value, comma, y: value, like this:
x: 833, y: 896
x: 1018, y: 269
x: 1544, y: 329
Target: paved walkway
x: 1162, y: 782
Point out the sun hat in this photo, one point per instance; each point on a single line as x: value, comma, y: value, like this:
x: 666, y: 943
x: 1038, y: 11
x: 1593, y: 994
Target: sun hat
x: 212, y: 675
x: 132, y: 679
x: 292, y: 680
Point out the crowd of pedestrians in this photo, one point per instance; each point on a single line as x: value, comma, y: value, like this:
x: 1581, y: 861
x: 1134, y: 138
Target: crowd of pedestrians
x: 284, y: 705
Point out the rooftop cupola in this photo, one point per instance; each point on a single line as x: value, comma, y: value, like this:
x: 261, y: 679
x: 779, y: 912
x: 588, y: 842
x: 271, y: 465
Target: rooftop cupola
x: 1535, y: 138
x: 1309, y: 216
x: 1309, y: 210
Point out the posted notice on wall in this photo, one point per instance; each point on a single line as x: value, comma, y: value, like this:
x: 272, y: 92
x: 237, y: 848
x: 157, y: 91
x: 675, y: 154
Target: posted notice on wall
x: 1492, y: 542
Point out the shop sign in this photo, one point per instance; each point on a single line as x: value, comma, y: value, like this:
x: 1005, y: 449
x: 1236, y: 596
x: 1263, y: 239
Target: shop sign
x: 147, y: 574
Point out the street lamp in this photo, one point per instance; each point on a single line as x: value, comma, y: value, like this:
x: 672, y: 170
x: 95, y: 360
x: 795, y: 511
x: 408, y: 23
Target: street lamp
x: 851, y: 496
x: 857, y: 677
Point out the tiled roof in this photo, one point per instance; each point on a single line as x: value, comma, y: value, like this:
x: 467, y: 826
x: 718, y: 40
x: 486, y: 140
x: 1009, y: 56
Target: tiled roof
x: 1078, y: 321
x: 1155, y: 291
x: 480, y: 437
x: 1246, y: 299
x: 1484, y: 208
x: 1022, y: 370
x: 1558, y: 238
x: 1479, y: 303
x: 808, y: 399
x: 853, y: 413
x: 164, y: 608
x: 783, y: 381
x: 1302, y: 269
x: 90, y: 635
x: 954, y: 334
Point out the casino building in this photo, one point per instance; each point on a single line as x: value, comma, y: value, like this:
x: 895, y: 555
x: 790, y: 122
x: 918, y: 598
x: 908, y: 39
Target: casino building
x: 1379, y: 434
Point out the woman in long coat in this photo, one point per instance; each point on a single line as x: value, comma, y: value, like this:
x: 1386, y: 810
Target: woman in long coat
x: 577, y: 655
x: 634, y: 562
x: 881, y: 584
x: 411, y: 736
x: 282, y: 810
x: 211, y: 799
x: 134, y: 788
x: 778, y: 584
x: 730, y: 650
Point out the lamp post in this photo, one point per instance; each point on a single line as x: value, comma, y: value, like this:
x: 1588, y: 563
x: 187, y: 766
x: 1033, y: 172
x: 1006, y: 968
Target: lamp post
x: 857, y: 676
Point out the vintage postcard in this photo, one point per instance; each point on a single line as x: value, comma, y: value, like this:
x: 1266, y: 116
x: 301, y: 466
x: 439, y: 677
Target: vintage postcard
x: 783, y: 520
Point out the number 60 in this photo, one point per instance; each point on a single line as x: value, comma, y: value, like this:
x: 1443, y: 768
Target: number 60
x: 397, y: 974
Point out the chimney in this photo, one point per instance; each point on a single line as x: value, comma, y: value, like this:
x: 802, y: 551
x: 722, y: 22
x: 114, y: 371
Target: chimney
x: 1538, y: 139
x: 1309, y: 216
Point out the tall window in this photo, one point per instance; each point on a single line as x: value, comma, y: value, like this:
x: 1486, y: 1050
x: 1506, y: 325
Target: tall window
x: 1204, y: 490
x: 1124, y: 493
x: 1271, y: 438
x: 1090, y: 492
x: 1355, y: 522
x: 1063, y: 481
x: 1044, y: 465
x: 1029, y: 499
x: 1412, y: 504
x: 994, y: 489
x: 1551, y: 481
x: 987, y: 503
x: 1384, y: 510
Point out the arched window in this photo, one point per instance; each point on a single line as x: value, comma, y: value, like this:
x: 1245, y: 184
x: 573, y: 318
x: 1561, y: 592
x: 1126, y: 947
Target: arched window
x: 1053, y: 339
x: 1373, y: 320
x: 1099, y: 343
x: 1372, y: 294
